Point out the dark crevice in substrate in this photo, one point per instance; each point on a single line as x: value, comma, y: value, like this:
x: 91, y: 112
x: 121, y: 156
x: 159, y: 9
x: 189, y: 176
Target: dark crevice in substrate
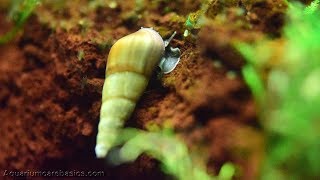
x: 204, y: 113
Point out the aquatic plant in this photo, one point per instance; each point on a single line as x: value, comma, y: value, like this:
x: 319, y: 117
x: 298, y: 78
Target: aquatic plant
x: 19, y: 12
x: 284, y: 76
x: 313, y: 6
x: 164, y: 146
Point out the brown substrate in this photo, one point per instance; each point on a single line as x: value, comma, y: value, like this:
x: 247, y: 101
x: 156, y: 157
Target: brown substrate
x: 50, y: 97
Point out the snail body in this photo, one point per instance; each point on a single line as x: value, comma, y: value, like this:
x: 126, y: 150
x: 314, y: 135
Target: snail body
x: 131, y: 61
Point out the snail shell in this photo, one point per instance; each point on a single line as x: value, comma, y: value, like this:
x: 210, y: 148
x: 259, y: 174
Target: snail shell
x: 131, y: 62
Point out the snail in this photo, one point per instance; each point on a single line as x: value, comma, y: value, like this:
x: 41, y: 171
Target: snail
x: 131, y: 62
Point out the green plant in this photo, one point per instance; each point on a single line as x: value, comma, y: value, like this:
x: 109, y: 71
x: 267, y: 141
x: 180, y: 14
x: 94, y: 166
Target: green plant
x: 289, y: 94
x: 312, y: 7
x: 80, y: 55
x: 164, y: 146
x: 19, y: 12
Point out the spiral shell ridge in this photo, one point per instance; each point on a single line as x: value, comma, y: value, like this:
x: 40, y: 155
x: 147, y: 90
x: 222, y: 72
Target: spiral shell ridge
x: 130, y: 64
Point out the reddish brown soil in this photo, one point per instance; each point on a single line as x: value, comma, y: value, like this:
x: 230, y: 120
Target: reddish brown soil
x: 50, y: 100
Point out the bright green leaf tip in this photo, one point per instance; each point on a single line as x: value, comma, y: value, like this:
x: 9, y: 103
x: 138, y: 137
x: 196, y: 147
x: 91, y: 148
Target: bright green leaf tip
x: 227, y: 171
x: 313, y: 7
x: 252, y: 78
x: 19, y: 13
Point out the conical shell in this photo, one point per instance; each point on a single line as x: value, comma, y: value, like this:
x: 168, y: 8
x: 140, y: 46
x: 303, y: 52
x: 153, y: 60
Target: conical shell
x: 130, y: 64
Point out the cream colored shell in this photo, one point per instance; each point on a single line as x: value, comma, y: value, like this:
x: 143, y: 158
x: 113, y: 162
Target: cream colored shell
x: 130, y: 64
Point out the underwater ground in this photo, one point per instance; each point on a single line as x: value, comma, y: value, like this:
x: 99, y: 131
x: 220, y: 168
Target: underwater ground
x: 242, y: 102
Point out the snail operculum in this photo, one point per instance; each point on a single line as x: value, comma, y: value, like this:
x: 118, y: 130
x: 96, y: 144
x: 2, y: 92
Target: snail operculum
x: 171, y: 57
